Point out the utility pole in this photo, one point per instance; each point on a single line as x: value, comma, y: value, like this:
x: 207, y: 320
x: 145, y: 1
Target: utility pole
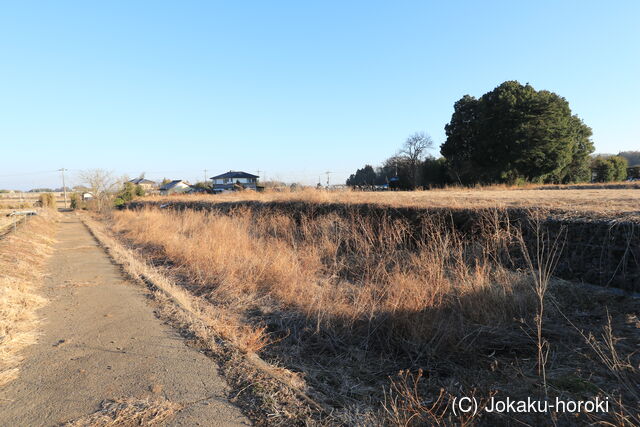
x: 64, y: 187
x: 328, y: 173
x: 205, y: 175
x: 258, y: 172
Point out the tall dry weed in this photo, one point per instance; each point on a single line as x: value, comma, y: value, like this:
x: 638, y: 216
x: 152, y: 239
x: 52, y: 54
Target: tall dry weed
x: 348, y: 299
x: 23, y: 253
x: 343, y: 274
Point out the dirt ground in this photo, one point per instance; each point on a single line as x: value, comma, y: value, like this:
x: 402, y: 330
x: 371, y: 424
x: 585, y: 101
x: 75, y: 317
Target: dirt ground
x: 101, y: 341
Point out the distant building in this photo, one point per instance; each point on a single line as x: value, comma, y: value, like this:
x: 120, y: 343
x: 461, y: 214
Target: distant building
x: 234, y: 180
x: 177, y: 186
x: 146, y: 184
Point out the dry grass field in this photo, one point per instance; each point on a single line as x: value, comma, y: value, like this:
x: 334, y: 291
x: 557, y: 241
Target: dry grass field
x: 10, y: 202
x: 13, y: 201
x: 608, y: 202
x: 382, y: 329
x: 5, y: 220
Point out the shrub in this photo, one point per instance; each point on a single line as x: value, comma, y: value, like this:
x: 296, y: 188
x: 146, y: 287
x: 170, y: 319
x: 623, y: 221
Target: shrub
x: 47, y: 200
x: 77, y: 202
x: 129, y: 192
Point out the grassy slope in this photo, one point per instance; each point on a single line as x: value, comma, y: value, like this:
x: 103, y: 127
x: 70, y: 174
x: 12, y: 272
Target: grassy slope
x: 22, y: 257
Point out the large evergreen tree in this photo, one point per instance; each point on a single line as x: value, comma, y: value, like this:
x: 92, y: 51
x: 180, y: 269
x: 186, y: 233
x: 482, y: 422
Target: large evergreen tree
x: 364, y: 176
x: 516, y: 133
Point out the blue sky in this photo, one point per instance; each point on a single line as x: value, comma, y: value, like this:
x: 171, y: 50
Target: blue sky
x: 295, y: 88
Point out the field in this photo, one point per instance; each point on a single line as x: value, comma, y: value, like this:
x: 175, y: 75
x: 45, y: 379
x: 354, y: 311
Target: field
x: 379, y: 327
x: 13, y: 201
x: 589, y: 198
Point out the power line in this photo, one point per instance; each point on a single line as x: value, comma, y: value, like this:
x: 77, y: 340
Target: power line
x: 29, y: 173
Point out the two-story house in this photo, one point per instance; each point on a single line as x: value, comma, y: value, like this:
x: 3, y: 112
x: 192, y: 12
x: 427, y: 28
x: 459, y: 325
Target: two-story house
x: 233, y: 180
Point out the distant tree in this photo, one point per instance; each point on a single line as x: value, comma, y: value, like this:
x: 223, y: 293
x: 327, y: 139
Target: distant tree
x: 609, y: 168
x: 139, y: 191
x: 101, y: 184
x: 413, y: 151
x: 633, y: 157
x: 204, y: 187
x: 398, y: 169
x: 382, y: 175
x: 434, y: 172
x: 516, y: 133
x: 602, y: 170
x: 128, y: 192
x: 364, y: 176
x: 620, y: 165
x: 165, y: 181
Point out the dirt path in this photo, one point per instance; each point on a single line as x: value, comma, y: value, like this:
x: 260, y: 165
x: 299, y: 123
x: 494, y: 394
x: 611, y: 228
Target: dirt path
x: 101, y: 341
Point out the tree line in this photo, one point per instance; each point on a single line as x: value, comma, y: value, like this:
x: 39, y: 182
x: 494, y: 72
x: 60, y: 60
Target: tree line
x: 512, y: 135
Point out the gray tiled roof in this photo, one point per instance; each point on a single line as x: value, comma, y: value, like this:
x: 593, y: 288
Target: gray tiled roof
x: 234, y: 174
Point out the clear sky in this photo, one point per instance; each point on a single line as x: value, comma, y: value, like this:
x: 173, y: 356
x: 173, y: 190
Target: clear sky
x: 294, y: 88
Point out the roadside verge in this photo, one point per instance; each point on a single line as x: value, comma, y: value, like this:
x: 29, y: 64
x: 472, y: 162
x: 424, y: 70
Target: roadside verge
x: 268, y: 394
x: 23, y: 254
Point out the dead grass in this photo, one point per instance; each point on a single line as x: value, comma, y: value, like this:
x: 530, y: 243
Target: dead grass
x: 347, y: 302
x: 265, y: 391
x: 128, y: 412
x: 25, y: 200
x: 341, y: 274
x: 22, y: 257
x: 6, y: 221
x: 587, y: 199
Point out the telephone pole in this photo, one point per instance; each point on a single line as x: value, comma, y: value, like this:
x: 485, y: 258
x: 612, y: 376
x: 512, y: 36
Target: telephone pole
x: 205, y: 175
x: 328, y: 173
x: 64, y: 187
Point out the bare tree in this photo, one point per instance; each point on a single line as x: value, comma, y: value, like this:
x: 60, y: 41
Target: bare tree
x: 413, y: 151
x: 101, y: 183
